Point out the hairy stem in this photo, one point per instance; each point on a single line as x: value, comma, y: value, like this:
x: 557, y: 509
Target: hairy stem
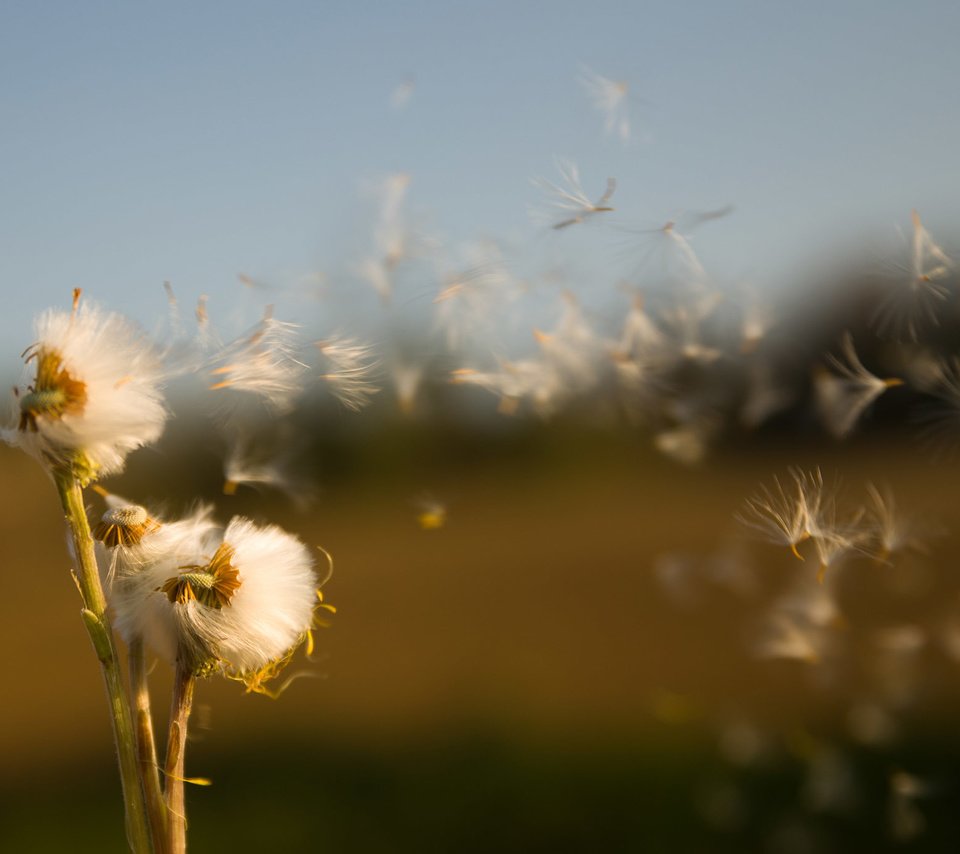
x: 176, y: 748
x: 101, y: 634
x: 146, y: 746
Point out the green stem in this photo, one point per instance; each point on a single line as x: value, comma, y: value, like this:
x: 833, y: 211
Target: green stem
x: 176, y: 748
x: 146, y: 746
x: 101, y: 634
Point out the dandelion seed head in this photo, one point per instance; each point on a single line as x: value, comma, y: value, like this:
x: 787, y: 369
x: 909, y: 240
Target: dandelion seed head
x: 568, y: 203
x: 842, y: 395
x: 783, y: 636
x: 893, y: 531
x: 271, y: 457
x: 609, y: 97
x: 263, y: 363
x: 640, y: 336
x: 473, y: 292
x: 138, y: 567
x: 124, y: 525
x: 667, y: 250
x: 256, y: 604
x: 811, y: 603
x: 941, y: 420
x: 126, y: 516
x: 686, y: 444
x: 94, y: 391
x: 915, y: 300
x: 350, y: 369
x: 213, y: 584
x: 787, y: 515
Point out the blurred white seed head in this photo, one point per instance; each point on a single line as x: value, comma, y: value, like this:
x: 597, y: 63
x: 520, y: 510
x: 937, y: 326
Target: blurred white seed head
x: 834, y: 541
x: 407, y: 380
x: 431, y: 512
x: 802, y: 623
x: 685, y: 322
x: 686, y: 444
x: 666, y: 250
x: 264, y: 363
x: 474, y: 290
x: 893, y: 531
x: 568, y: 203
x: 376, y: 274
x: 843, y: 394
x: 572, y: 350
x: 530, y: 380
x: 785, y: 636
x: 915, y: 301
x: 349, y: 370
x: 786, y: 514
x: 271, y: 457
x: 757, y: 318
x: 609, y: 97
x: 395, y: 239
x: 640, y: 337
x: 402, y: 93
x: 942, y: 420
x: 812, y: 603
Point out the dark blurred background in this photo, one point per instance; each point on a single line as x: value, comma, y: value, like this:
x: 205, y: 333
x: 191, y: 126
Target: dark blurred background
x: 524, y: 677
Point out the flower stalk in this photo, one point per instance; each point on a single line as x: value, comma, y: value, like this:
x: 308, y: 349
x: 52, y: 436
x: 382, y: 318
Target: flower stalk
x: 146, y: 746
x: 98, y: 626
x: 181, y: 705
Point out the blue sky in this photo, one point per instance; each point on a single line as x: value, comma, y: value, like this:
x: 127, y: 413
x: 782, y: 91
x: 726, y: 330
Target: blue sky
x: 193, y: 141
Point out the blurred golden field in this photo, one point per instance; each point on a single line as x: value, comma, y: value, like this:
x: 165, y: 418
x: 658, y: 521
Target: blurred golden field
x: 517, y: 679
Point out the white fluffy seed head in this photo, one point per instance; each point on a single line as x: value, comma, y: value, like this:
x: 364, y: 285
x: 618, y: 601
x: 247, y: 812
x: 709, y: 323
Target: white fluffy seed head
x: 137, y: 572
x: 239, y: 600
x: 271, y: 610
x: 92, y: 390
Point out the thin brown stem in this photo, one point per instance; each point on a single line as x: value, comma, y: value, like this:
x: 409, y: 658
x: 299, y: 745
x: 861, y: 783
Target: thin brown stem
x: 146, y: 747
x: 97, y: 622
x: 176, y: 748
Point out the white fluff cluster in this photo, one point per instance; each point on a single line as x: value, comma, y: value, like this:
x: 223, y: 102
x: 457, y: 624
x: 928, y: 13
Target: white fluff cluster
x: 93, y: 389
x: 269, y: 613
x: 136, y: 572
x: 240, y: 598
